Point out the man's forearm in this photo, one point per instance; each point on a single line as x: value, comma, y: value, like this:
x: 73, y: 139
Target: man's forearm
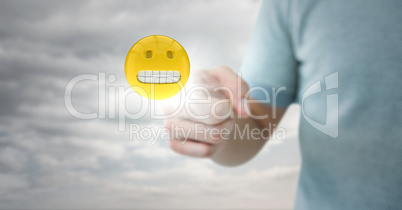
x: 241, y: 146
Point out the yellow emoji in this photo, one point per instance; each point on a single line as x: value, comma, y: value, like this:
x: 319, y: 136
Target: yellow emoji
x: 157, y: 67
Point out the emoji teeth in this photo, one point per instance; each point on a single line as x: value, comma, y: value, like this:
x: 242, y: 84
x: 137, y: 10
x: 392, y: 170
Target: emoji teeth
x: 158, y: 77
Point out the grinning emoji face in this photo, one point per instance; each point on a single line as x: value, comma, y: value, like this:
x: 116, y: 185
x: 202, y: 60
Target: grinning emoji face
x: 157, y: 67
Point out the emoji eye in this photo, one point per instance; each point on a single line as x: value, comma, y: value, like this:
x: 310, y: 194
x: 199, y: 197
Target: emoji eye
x: 148, y: 54
x: 169, y: 54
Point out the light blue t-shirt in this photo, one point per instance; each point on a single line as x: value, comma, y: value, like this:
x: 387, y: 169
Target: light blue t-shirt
x: 342, y: 61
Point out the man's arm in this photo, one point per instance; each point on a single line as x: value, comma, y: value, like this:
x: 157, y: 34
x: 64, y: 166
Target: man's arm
x: 238, y: 151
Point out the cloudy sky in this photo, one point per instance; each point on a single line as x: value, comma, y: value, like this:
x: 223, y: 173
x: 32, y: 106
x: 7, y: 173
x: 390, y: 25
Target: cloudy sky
x: 51, y: 159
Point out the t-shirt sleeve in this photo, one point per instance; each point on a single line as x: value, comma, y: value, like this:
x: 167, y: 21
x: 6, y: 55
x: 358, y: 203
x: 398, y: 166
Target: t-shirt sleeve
x: 269, y: 66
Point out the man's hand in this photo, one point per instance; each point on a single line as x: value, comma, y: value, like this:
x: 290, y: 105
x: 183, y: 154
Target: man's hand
x: 208, y: 123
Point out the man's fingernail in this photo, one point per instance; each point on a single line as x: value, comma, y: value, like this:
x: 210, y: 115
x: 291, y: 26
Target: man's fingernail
x: 245, y: 106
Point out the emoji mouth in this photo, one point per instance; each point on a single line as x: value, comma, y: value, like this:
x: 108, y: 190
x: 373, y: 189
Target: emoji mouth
x: 159, y: 77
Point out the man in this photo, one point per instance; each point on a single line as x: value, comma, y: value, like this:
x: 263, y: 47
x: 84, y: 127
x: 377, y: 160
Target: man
x: 342, y: 61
